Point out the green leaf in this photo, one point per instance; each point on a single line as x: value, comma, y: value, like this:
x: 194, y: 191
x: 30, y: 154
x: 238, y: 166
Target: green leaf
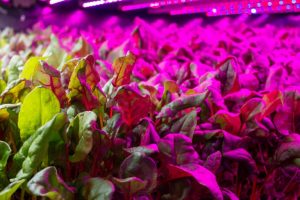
x: 80, y: 132
x: 41, y: 105
x: 47, y: 183
x: 98, y: 189
x: 40, y: 73
x: 4, y: 155
x: 15, y: 91
x: 2, y: 85
x: 6, y: 193
x: 12, y: 70
x: 4, y: 114
x: 142, y: 169
x: 35, y: 149
x: 130, y: 185
x: 182, y: 103
x: 83, y: 82
x: 5, y: 151
x: 54, y: 54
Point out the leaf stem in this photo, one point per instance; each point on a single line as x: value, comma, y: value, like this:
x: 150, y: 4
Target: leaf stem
x: 22, y: 194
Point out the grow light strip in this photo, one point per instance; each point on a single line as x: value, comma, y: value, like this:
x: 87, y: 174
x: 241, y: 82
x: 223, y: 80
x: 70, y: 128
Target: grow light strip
x: 98, y: 2
x: 55, y: 1
x: 155, y: 4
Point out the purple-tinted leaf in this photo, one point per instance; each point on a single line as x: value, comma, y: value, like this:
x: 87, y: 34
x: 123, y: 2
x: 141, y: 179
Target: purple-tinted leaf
x: 47, y: 183
x: 228, y: 75
x: 229, y: 195
x: 133, y: 104
x: 229, y: 122
x: 289, y: 149
x: 251, y: 109
x: 178, y: 149
x: 200, y: 174
x: 123, y: 68
x: 182, y: 103
x: 213, y: 161
x: 147, y: 132
x: 241, y: 155
x: 147, y: 149
x: 140, y: 166
x: 130, y: 185
x: 186, y: 125
x: 287, y: 117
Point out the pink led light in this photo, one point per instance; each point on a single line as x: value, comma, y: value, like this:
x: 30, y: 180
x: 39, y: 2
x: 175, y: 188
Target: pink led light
x: 154, y: 5
x: 97, y: 3
x: 55, y: 1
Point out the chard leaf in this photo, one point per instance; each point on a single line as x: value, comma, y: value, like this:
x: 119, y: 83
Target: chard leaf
x: 289, y: 149
x: 47, y: 183
x: 5, y: 152
x: 130, y: 185
x: 13, y: 68
x: 41, y: 105
x: 251, y: 109
x: 178, y: 149
x: 200, y: 174
x: 54, y: 54
x: 80, y: 132
x: 241, y: 155
x: 81, y: 48
x: 123, y: 67
x: 15, y: 91
x: 186, y: 125
x: 4, y: 113
x: 182, y: 103
x: 146, y: 149
x: 228, y: 75
x: 229, y: 122
x: 287, y: 117
x: 40, y: 73
x: 134, y: 105
x: 147, y: 132
x: 83, y: 82
x: 98, y: 189
x: 213, y: 161
x: 142, y: 169
x: 34, y: 150
x: 271, y: 101
x: 9, y: 190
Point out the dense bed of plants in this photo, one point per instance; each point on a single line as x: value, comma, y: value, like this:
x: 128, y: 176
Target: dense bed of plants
x: 152, y: 112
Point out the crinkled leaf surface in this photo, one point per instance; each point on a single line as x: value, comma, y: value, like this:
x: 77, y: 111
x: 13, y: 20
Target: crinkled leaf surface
x: 142, y: 167
x: 134, y: 105
x: 80, y: 132
x: 186, y: 125
x: 182, y: 103
x: 178, y: 149
x: 40, y: 73
x: 34, y: 150
x: 47, y: 183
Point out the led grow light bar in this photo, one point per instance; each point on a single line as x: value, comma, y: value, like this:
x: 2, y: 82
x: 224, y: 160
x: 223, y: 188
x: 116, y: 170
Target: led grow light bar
x: 98, y: 2
x: 55, y: 1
